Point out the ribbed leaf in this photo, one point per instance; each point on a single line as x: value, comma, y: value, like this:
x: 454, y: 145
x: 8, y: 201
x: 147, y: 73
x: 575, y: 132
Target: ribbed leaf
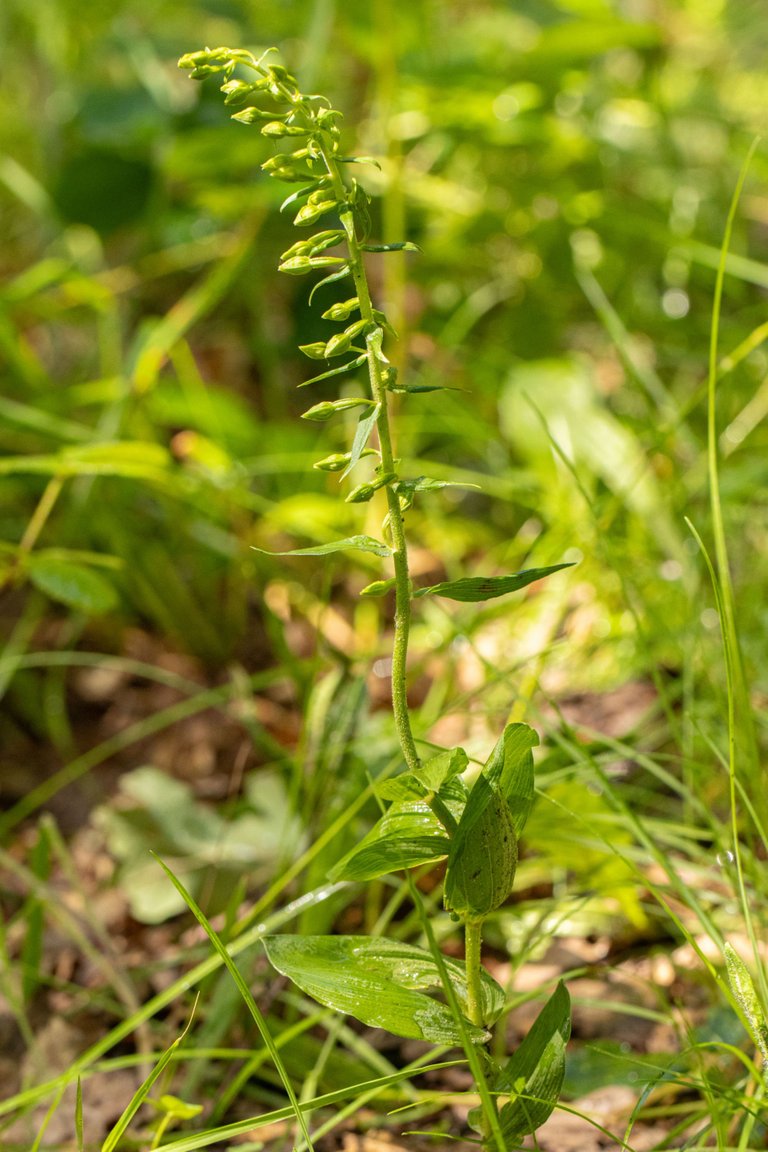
x: 381, y: 982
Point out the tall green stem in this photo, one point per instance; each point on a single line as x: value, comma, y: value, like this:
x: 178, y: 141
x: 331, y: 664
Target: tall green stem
x: 376, y: 362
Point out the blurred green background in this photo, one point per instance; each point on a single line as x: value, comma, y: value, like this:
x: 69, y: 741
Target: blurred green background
x: 566, y: 167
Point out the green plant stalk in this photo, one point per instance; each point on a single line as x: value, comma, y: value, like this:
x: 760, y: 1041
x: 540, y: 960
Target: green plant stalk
x: 473, y: 936
x: 395, y: 517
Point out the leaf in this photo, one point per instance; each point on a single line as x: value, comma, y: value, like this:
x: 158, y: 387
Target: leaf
x: 359, y: 543
x: 536, y: 1071
x: 405, y: 836
x: 471, y: 589
x: 510, y: 769
x: 72, y: 584
x: 381, y: 983
x: 483, y: 856
x: 431, y: 776
x: 365, y: 426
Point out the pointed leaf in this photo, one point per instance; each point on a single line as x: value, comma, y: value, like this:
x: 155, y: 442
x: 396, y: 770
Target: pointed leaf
x: 510, y: 769
x: 472, y: 589
x: 431, y: 776
x: 380, y: 982
x: 400, y: 246
x: 536, y: 1071
x: 358, y: 543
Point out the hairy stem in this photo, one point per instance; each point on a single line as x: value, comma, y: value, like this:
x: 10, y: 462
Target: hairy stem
x: 473, y: 935
x: 376, y: 363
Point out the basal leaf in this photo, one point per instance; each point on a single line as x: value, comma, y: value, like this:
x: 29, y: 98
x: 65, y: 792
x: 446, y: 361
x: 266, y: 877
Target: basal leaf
x: 472, y: 589
x: 382, y: 983
x: 358, y: 543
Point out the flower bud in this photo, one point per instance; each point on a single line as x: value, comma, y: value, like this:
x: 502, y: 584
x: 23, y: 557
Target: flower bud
x: 276, y: 128
x: 336, y: 462
x: 362, y: 494
x: 315, y: 351
x: 327, y: 408
x: 378, y: 588
x: 341, y: 311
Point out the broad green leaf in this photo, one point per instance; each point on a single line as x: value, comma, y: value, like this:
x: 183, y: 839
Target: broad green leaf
x: 483, y: 856
x: 406, y: 835
x: 536, y: 1071
x: 510, y: 769
x: 358, y: 543
x: 472, y: 589
x: 743, y: 989
x: 381, y: 982
x: 72, y: 584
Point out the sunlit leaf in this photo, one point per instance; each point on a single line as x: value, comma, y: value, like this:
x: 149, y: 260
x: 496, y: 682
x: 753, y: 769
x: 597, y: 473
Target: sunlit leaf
x: 381, y: 982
